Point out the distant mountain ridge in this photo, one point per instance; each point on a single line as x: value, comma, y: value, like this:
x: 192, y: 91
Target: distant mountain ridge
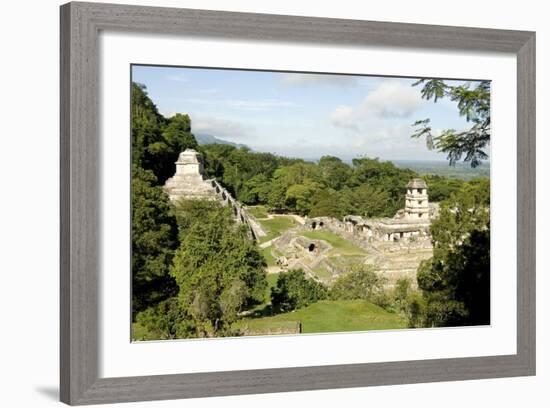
x: 461, y: 170
x: 204, y: 139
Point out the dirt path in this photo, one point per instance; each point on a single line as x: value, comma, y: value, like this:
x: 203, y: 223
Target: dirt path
x: 299, y: 219
x: 274, y: 269
x: 267, y: 243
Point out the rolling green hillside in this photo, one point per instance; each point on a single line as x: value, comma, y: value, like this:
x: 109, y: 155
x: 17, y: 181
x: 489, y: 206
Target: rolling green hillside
x: 329, y: 316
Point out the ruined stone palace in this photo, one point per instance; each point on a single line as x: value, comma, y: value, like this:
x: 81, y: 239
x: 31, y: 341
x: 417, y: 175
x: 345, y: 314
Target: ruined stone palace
x: 411, y: 222
x: 396, y: 245
x: 190, y: 182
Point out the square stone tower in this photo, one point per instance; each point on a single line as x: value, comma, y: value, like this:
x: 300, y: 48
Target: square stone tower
x: 416, y: 200
x: 190, y: 163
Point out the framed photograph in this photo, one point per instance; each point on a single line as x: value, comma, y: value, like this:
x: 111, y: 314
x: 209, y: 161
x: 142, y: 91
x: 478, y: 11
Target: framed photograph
x: 261, y: 203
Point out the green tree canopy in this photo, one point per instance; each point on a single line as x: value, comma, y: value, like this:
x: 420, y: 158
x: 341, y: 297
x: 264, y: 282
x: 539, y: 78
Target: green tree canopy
x: 334, y: 173
x: 215, y: 156
x: 441, y: 188
x: 329, y: 188
x: 157, y: 141
x: 294, y: 291
x: 372, y: 201
x: 176, y: 137
x: 164, y: 321
x: 218, y: 269
x: 331, y: 203
x: 154, y: 239
x: 256, y: 189
x: 298, y: 196
x: 147, y: 123
x: 455, y: 281
x: 381, y: 177
x: 360, y: 282
x: 235, y: 167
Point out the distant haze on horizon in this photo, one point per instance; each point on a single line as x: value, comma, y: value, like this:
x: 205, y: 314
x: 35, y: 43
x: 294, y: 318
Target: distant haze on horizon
x: 302, y: 115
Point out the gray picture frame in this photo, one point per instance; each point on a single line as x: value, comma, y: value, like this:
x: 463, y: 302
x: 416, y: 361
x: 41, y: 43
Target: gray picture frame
x: 81, y: 24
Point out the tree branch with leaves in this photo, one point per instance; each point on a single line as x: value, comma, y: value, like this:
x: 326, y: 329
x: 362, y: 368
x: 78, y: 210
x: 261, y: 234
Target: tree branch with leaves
x: 474, y: 104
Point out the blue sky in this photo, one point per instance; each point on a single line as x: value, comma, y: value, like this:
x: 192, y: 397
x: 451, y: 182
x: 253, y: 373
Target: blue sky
x: 301, y: 115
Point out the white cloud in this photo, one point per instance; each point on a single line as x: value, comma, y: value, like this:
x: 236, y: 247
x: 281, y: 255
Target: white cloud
x: 247, y: 104
x: 177, y: 77
x: 386, y: 141
x: 221, y: 128
x: 318, y: 79
x: 346, y: 117
x: 389, y: 141
x: 391, y: 99
x: 259, y: 104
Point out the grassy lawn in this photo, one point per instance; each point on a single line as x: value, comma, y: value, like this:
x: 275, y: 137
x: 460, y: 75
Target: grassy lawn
x: 339, y: 244
x: 268, y: 255
x: 276, y: 226
x: 331, y: 316
x: 271, y: 283
x: 322, y: 273
x: 258, y: 211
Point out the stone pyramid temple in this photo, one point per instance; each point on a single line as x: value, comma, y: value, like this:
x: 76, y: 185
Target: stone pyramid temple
x: 189, y: 180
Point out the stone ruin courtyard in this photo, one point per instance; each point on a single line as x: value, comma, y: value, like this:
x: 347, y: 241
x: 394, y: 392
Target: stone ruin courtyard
x: 324, y: 247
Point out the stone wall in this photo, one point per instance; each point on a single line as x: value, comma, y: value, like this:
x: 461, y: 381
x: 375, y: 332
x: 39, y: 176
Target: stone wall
x: 394, y: 259
x: 295, y: 328
x: 241, y: 214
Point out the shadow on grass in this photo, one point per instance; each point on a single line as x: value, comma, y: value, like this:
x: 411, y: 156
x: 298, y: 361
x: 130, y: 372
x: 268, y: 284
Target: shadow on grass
x: 265, y: 311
